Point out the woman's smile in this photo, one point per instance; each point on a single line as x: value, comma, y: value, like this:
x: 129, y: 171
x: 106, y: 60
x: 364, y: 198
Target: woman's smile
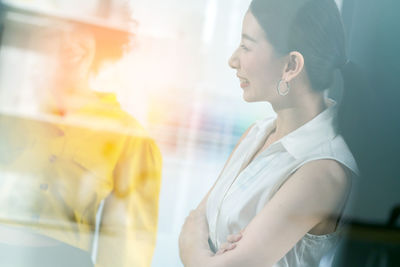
x: 243, y: 82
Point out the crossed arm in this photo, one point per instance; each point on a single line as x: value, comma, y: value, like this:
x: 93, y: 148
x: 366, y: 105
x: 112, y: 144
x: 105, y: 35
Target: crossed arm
x: 310, y: 196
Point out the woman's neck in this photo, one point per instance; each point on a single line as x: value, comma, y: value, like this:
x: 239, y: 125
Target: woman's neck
x: 68, y: 97
x: 304, y: 110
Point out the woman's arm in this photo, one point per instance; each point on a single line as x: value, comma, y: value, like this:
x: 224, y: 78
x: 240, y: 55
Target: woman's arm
x: 312, y: 194
x: 193, y: 240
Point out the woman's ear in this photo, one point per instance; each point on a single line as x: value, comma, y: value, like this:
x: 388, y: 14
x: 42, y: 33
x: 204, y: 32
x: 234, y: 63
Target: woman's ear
x: 293, y: 66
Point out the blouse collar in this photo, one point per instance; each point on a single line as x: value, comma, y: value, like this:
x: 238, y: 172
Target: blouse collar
x: 312, y: 134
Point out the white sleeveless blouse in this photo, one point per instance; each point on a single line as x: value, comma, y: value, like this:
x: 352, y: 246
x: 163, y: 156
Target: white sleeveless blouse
x: 233, y: 203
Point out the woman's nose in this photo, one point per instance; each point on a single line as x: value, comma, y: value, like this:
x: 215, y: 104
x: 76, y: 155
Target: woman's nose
x: 234, y: 61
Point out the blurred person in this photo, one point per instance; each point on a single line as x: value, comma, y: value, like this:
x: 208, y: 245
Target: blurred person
x: 55, y: 173
x: 279, y: 199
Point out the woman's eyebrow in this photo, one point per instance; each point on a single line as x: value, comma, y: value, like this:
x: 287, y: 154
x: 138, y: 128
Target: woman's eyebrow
x: 247, y: 37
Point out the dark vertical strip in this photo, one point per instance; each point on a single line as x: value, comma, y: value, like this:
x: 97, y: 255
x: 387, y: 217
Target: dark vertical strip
x: 373, y: 28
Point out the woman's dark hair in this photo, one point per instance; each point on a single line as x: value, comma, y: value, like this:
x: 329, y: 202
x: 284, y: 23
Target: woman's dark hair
x: 315, y: 29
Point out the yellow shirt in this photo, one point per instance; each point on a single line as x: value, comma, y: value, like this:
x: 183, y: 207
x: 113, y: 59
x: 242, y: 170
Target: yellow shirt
x: 54, y: 176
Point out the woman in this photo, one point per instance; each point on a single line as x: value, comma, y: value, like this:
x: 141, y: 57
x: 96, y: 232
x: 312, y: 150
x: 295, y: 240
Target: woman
x: 56, y: 173
x: 280, y: 196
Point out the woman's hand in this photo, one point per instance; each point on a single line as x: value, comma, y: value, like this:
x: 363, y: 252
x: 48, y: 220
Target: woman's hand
x: 194, y: 237
x: 230, y: 244
x: 194, y: 228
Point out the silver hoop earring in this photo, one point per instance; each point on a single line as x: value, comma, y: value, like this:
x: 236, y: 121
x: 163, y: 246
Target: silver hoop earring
x: 279, y: 88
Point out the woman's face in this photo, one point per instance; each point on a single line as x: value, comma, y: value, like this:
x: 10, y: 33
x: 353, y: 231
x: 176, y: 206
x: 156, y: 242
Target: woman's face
x: 257, y: 66
x: 76, y: 53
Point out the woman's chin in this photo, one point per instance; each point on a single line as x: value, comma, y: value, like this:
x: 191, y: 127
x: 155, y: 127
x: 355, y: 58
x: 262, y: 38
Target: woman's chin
x: 249, y: 98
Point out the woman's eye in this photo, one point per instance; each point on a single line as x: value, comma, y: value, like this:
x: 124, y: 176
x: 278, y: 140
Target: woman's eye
x: 244, y: 47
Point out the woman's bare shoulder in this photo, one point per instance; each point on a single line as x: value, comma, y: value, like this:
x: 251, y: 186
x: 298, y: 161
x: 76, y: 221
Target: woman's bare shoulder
x: 325, y: 170
x: 326, y: 179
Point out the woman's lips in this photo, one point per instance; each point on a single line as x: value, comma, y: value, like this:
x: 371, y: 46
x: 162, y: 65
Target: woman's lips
x: 244, y: 83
